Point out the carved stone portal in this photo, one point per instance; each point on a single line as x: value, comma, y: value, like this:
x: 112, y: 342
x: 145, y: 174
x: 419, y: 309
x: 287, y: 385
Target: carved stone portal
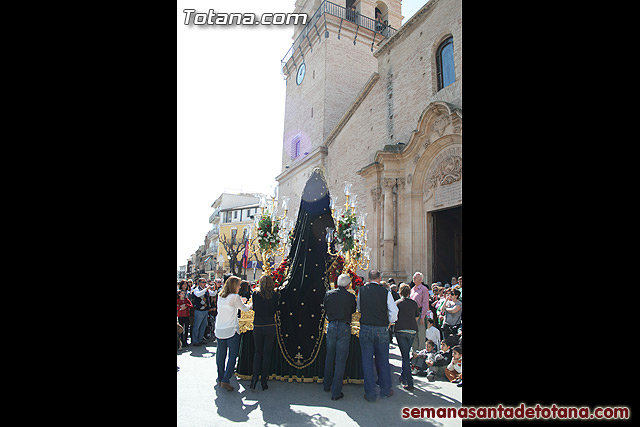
x: 440, y: 123
x: 446, y: 168
x: 376, y: 193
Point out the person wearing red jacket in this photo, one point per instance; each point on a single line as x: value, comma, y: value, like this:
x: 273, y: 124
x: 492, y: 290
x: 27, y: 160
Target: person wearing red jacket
x: 184, y: 305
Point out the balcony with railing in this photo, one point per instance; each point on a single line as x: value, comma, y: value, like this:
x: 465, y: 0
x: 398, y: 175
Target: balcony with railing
x: 342, y: 17
x: 215, y: 230
x: 214, y: 215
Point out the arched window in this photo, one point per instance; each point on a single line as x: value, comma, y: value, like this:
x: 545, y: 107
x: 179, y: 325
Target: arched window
x: 381, y: 15
x: 444, y: 62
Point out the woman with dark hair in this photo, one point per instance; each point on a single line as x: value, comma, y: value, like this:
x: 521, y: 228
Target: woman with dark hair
x: 244, y: 292
x: 453, y: 316
x: 184, y: 308
x: 265, y: 301
x: 245, y: 289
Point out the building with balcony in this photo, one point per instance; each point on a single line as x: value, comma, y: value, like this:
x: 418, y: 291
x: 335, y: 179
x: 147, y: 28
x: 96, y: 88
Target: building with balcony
x: 232, y: 214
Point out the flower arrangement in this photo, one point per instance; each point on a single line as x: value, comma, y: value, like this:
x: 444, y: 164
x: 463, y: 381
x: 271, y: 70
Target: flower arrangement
x: 279, y: 273
x: 268, y: 233
x: 356, y: 281
x: 347, y: 227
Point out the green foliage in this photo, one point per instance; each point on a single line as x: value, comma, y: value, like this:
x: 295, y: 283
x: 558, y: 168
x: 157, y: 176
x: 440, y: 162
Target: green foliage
x: 347, y: 227
x: 268, y: 233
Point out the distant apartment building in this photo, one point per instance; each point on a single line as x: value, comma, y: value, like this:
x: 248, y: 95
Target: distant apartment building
x: 232, y: 214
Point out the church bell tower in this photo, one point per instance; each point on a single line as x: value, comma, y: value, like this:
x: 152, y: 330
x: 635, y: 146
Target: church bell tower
x: 328, y: 64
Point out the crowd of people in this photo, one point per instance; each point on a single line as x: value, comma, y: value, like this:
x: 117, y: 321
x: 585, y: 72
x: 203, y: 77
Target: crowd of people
x: 426, y: 321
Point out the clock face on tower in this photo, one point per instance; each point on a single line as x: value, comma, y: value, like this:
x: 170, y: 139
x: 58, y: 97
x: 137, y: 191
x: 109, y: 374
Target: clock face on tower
x: 300, y: 75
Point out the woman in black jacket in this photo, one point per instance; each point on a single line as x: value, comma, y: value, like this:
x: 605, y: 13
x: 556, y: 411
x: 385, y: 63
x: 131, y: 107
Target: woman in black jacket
x: 265, y: 300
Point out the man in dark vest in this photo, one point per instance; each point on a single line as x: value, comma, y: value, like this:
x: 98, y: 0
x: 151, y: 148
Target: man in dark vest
x: 339, y: 305
x: 378, y: 311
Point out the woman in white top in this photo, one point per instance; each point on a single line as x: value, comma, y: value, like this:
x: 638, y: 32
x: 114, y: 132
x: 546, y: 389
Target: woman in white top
x: 228, y: 329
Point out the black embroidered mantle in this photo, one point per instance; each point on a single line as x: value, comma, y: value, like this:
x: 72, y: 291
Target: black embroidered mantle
x: 300, y: 315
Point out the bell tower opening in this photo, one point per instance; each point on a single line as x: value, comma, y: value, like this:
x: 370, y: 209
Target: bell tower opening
x: 447, y: 244
x: 381, y: 13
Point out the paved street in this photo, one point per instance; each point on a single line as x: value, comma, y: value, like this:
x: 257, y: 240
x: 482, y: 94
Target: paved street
x: 201, y: 403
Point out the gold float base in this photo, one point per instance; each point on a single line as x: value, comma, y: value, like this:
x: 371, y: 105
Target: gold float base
x: 298, y: 379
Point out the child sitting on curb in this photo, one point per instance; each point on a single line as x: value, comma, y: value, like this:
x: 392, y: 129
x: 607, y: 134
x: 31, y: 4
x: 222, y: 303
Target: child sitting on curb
x: 440, y: 361
x: 453, y: 371
x: 418, y: 360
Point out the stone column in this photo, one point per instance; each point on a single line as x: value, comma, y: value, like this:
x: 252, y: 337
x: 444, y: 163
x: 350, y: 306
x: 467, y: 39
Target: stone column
x: 389, y: 226
x: 373, y: 226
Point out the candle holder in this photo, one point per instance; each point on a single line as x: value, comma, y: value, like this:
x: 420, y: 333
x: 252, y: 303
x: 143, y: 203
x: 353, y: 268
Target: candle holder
x: 272, y: 231
x: 349, y: 240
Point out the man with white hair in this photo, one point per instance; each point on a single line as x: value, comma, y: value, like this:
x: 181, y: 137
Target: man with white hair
x: 339, y: 305
x: 420, y: 294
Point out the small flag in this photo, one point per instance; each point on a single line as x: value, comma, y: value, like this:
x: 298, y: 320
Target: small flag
x: 245, y: 258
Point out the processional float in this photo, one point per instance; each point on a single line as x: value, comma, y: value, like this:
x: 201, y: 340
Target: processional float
x: 320, y: 244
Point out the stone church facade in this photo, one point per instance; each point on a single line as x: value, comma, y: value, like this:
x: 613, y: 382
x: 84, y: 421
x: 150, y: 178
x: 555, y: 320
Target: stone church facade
x: 381, y: 108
